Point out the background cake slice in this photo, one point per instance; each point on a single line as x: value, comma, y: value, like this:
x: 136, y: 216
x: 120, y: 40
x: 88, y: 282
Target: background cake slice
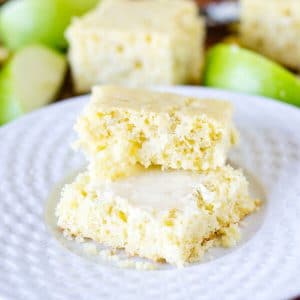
x: 272, y: 28
x: 121, y: 128
x: 137, y: 43
x: 169, y: 215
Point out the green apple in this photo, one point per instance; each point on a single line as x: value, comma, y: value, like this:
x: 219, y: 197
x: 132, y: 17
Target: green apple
x: 80, y: 7
x: 234, y: 68
x: 29, y: 80
x: 24, y: 22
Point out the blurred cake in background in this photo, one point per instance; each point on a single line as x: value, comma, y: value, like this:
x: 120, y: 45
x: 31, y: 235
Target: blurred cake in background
x: 272, y: 28
x: 137, y: 43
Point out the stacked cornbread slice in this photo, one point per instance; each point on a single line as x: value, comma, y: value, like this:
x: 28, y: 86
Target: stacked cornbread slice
x: 123, y: 127
x: 156, y: 184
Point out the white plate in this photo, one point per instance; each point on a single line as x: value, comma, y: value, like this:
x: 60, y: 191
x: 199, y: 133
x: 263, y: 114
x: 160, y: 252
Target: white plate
x: 35, y: 156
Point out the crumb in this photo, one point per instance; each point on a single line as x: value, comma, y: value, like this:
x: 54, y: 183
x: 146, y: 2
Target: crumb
x: 145, y: 266
x: 67, y: 235
x: 126, y: 264
x: 90, y: 249
x: 211, y: 257
x: 230, y: 236
x: 79, y: 239
x: 111, y: 255
x: 141, y: 266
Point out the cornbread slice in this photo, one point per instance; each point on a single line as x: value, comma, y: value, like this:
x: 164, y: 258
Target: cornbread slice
x: 170, y: 215
x: 123, y: 127
x: 137, y: 43
x: 272, y: 27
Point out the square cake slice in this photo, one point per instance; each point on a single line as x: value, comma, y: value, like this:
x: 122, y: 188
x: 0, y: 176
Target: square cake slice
x: 123, y: 127
x: 170, y: 215
x: 137, y: 43
x: 272, y: 27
